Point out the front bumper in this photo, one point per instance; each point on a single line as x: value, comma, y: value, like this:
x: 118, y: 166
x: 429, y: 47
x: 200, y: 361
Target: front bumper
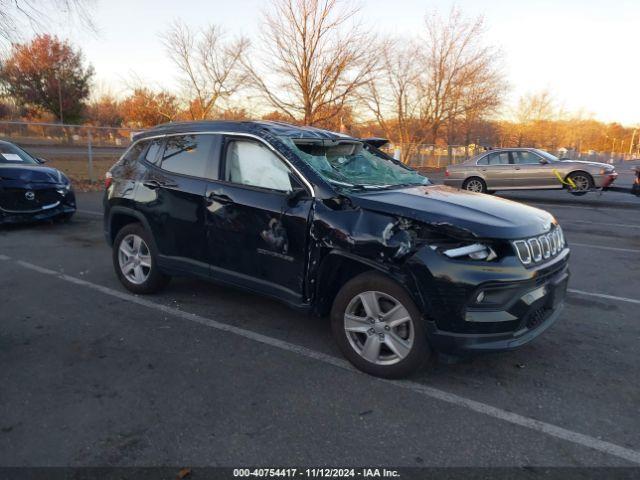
x: 65, y: 206
x: 531, y: 313
x: 604, y: 181
x: 518, y: 303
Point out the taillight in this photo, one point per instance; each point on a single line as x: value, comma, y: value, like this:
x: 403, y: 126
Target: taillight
x: 446, y: 173
x: 108, y: 178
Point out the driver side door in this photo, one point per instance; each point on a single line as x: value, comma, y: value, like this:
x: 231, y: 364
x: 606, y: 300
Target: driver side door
x: 531, y: 171
x: 256, y: 232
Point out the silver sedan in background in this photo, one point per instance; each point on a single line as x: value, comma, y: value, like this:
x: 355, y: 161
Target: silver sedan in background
x: 527, y: 169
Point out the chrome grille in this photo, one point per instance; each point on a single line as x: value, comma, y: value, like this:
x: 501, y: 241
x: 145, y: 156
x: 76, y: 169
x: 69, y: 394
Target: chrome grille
x: 534, y: 250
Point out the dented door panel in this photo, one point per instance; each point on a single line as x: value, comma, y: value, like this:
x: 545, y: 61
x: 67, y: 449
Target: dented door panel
x: 256, y: 239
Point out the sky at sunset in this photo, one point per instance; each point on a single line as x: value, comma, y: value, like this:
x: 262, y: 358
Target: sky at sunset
x: 587, y: 53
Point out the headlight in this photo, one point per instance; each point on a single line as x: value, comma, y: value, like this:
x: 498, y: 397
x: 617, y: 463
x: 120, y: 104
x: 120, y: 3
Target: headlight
x: 475, y: 251
x: 63, y: 189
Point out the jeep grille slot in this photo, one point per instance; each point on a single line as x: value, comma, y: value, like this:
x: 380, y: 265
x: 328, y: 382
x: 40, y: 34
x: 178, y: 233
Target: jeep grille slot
x: 534, y: 250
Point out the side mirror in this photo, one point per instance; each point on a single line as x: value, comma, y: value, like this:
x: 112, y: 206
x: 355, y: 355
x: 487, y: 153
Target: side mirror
x: 295, y: 195
x: 41, y: 160
x: 543, y: 161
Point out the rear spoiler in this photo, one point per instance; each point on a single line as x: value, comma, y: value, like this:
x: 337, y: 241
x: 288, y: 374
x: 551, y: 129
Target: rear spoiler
x: 375, y: 142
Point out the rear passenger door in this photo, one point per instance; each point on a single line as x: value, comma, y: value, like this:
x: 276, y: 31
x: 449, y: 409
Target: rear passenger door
x: 497, y: 169
x: 172, y: 197
x: 257, y: 236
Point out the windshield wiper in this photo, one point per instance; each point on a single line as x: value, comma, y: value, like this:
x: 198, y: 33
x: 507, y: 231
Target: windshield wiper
x: 403, y: 185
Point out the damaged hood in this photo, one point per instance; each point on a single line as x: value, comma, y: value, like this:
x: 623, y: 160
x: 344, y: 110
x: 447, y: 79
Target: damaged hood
x: 31, y: 174
x: 482, y: 215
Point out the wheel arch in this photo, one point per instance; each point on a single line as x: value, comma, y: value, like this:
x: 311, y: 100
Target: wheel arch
x: 580, y: 170
x: 119, y: 217
x: 338, y: 267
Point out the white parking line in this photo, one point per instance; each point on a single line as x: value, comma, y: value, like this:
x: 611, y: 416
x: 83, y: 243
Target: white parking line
x: 453, y: 399
x: 603, y: 295
x: 602, y: 247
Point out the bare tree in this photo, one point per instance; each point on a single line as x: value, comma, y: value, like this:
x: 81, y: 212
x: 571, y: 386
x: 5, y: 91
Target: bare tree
x: 394, y: 96
x: 15, y: 13
x: 463, y: 78
x: 210, y: 66
x: 317, y: 57
x: 437, y: 83
x: 532, y: 110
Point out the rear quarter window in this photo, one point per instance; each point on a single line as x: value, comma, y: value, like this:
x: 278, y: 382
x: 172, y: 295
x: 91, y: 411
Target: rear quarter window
x: 134, y: 153
x: 154, y: 149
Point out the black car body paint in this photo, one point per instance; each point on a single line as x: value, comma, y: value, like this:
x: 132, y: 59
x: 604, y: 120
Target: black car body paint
x: 297, y: 251
x: 31, y: 192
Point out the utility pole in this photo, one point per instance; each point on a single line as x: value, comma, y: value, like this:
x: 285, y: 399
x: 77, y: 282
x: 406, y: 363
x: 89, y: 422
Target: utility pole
x: 633, y: 137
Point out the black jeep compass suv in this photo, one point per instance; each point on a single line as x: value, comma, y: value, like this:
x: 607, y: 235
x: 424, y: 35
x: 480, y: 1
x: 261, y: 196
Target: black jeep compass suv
x: 329, y: 224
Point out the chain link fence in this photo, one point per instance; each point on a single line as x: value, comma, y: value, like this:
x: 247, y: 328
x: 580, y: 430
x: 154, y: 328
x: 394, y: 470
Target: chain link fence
x: 84, y: 153
x: 432, y: 156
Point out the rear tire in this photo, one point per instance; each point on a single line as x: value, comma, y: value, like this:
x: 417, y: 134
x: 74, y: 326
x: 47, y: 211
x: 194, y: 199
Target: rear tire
x: 135, y: 260
x: 475, y: 184
x: 378, y: 327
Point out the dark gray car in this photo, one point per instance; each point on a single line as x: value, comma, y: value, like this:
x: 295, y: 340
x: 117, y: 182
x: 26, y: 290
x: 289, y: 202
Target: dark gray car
x: 527, y: 169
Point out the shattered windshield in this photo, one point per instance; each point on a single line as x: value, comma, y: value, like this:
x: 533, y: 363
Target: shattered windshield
x: 352, y: 164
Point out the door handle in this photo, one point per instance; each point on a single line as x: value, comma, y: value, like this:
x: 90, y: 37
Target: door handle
x: 517, y: 168
x: 219, y: 197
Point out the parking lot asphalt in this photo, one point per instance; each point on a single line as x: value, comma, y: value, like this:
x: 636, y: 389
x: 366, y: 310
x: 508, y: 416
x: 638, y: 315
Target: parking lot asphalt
x: 207, y: 375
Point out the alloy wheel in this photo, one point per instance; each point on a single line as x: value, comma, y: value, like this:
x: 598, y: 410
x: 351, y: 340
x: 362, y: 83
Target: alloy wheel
x: 134, y: 259
x: 474, y: 185
x: 379, y: 328
x: 581, y: 183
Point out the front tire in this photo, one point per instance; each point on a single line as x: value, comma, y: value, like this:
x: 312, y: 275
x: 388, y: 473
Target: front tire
x: 583, y: 182
x: 378, y: 327
x: 475, y: 184
x: 135, y: 261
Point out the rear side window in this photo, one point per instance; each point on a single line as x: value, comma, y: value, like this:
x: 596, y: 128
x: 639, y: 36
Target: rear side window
x: 133, y: 154
x: 251, y: 163
x: 152, y: 153
x: 187, y: 154
x: 501, y: 158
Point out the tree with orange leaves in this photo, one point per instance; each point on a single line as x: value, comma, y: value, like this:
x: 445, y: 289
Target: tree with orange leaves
x: 146, y: 108
x: 49, y: 74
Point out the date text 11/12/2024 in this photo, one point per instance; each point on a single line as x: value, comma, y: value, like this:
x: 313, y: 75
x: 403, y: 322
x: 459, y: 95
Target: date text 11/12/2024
x: 316, y: 472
